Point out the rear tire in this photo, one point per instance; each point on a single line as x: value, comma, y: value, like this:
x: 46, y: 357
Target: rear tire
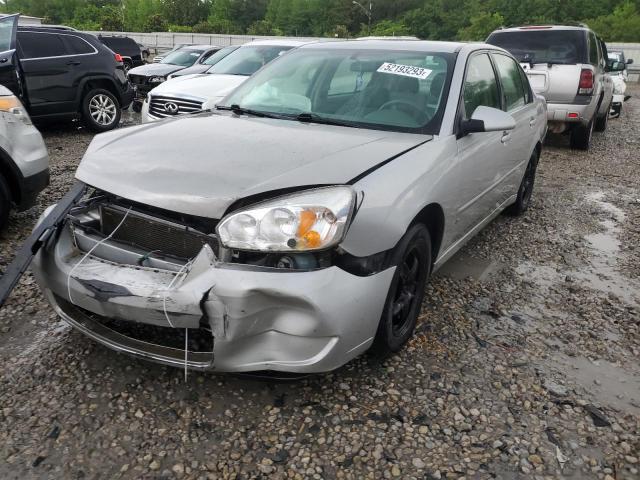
x: 5, y: 202
x: 526, y: 188
x: 404, y: 300
x: 581, y: 136
x: 602, y: 122
x: 101, y: 110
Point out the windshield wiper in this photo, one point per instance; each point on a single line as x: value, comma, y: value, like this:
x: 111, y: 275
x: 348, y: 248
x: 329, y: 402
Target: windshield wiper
x: 238, y: 110
x: 314, y: 118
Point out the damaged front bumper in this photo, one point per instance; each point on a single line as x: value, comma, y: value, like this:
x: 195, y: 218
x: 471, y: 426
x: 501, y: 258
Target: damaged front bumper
x: 209, y: 314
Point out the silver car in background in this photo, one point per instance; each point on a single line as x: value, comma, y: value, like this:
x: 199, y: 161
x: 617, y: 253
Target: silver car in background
x: 569, y: 66
x: 24, y: 162
x: 295, y: 227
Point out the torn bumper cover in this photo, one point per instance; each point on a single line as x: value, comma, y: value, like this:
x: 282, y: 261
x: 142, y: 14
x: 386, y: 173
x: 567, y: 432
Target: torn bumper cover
x: 255, y: 318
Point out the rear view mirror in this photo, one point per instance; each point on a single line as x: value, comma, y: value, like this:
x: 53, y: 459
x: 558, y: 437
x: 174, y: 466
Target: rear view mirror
x: 487, y: 119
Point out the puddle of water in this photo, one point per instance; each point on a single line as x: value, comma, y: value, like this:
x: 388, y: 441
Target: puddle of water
x: 607, y: 383
x: 462, y: 266
x: 601, y: 274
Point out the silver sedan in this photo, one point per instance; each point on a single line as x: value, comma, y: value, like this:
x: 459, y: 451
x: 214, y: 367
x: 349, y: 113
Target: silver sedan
x: 295, y: 227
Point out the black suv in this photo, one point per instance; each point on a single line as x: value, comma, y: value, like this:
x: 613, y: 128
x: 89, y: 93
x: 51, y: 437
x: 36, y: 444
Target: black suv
x: 127, y: 47
x: 63, y: 74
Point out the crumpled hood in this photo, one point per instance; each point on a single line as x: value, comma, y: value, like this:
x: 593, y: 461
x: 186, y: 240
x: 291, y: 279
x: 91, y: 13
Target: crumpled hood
x: 155, y: 69
x: 200, y: 165
x: 205, y: 86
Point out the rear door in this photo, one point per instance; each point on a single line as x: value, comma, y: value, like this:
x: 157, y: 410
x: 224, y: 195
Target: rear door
x: 9, y: 67
x: 518, y: 102
x: 49, y: 72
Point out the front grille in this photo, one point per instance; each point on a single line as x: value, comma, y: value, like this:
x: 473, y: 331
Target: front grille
x: 162, y: 107
x: 137, y: 79
x: 151, y: 234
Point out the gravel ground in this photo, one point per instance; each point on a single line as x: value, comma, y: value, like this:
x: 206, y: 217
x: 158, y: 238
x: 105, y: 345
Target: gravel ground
x: 525, y: 363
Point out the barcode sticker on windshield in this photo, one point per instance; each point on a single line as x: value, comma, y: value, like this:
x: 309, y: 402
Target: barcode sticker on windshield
x: 405, y: 70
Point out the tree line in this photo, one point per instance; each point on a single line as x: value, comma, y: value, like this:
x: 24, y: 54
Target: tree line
x: 615, y: 20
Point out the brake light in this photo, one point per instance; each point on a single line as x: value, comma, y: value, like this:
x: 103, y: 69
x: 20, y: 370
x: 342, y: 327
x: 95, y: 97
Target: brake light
x: 586, y: 82
x: 119, y: 58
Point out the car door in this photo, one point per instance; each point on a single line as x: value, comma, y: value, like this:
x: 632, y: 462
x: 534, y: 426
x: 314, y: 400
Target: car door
x: 481, y: 156
x: 9, y: 67
x: 48, y: 73
x: 518, y: 102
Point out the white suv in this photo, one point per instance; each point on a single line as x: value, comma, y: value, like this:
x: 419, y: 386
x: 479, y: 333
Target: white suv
x: 192, y: 93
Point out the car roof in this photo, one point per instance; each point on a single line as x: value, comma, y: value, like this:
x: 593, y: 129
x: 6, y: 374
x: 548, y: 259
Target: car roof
x: 199, y: 47
x: 525, y: 28
x: 49, y: 29
x: 285, y: 42
x: 407, y: 45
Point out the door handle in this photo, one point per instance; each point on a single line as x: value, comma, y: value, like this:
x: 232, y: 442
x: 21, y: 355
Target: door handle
x: 73, y: 62
x: 506, y: 136
x: 532, y: 122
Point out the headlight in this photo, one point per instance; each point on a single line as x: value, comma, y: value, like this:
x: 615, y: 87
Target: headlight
x: 312, y: 220
x: 156, y: 79
x: 11, y: 104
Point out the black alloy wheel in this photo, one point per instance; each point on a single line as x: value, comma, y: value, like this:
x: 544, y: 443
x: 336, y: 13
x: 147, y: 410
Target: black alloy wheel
x: 412, y: 258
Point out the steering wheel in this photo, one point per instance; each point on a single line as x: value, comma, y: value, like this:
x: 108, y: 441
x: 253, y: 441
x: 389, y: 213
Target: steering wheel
x: 403, y: 106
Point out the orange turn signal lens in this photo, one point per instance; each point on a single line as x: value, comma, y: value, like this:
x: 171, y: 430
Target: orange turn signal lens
x: 9, y: 102
x: 307, y: 220
x: 312, y: 239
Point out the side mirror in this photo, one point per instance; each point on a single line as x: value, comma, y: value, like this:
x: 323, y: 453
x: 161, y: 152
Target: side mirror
x: 488, y: 119
x: 629, y: 61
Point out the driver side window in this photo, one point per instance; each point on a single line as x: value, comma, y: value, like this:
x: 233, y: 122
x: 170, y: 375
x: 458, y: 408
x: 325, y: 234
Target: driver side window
x: 480, y: 85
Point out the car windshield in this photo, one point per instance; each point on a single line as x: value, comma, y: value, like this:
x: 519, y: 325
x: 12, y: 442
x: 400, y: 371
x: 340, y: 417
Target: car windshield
x: 543, y: 46
x: 219, y: 55
x: 183, y: 58
x: 616, y: 56
x: 247, y: 60
x: 387, y: 90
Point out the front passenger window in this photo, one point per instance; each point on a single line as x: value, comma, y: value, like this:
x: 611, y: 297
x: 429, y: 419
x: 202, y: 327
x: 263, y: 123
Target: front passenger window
x: 480, y: 86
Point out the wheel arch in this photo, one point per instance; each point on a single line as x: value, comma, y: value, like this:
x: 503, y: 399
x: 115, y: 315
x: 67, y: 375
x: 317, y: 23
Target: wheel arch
x: 12, y: 176
x: 90, y: 83
x: 432, y: 217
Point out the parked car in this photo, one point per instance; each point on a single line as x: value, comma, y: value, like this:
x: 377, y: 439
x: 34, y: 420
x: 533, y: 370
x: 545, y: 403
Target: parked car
x: 149, y: 76
x: 24, y: 163
x: 341, y: 177
x: 145, y: 51
x: 619, y: 75
x: 159, y: 58
x: 207, y: 64
x: 192, y: 93
x: 618, y: 56
x: 63, y: 74
x: 568, y: 66
x: 128, y: 49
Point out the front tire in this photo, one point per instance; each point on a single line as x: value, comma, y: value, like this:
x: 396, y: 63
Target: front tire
x: 101, y: 110
x: 5, y: 202
x: 412, y: 257
x: 525, y: 191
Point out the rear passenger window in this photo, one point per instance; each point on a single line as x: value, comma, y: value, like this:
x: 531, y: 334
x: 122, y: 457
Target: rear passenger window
x: 512, y: 87
x: 76, y: 45
x: 593, y: 49
x: 40, y: 45
x: 480, y: 86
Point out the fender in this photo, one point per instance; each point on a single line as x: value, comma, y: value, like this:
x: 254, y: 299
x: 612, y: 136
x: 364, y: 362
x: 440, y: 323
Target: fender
x: 83, y: 82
